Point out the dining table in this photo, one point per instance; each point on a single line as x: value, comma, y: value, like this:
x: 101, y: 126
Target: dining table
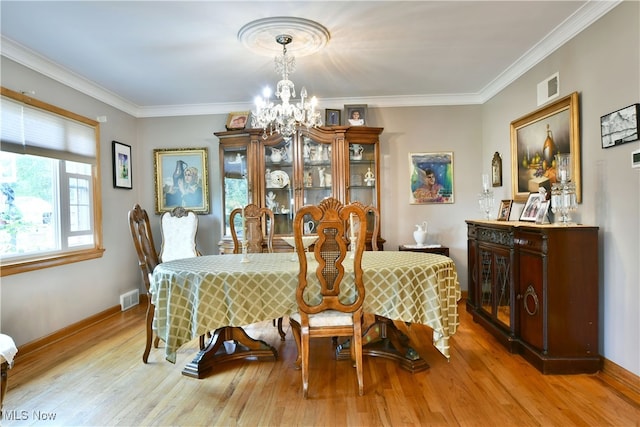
x: 223, y: 293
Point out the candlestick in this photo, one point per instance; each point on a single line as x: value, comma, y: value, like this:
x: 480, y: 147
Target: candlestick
x: 244, y: 228
x: 485, y: 182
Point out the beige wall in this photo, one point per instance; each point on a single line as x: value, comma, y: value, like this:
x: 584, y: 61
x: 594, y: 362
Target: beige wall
x: 602, y: 63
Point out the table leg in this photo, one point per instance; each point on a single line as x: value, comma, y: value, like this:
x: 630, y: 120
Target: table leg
x: 382, y: 339
x: 214, y: 353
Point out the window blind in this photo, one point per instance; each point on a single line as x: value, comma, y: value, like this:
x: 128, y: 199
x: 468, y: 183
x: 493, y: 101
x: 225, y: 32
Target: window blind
x: 29, y: 130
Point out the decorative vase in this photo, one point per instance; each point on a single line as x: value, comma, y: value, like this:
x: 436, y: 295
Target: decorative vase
x: 420, y: 234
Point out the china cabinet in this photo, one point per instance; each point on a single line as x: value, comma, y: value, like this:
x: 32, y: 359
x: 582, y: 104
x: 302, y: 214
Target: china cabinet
x: 284, y: 174
x: 535, y: 288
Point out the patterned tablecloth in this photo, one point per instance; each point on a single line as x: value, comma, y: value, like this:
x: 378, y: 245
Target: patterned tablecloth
x: 196, y: 295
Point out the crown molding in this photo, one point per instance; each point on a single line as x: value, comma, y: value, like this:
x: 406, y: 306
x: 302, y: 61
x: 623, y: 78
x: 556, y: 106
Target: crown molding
x: 590, y: 12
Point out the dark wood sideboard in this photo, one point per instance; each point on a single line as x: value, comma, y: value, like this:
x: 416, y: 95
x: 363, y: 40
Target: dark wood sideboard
x: 535, y: 288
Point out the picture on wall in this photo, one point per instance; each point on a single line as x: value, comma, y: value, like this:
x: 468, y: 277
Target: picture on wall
x: 620, y: 126
x: 536, y: 139
x: 181, y: 179
x: 121, y: 165
x: 431, y: 178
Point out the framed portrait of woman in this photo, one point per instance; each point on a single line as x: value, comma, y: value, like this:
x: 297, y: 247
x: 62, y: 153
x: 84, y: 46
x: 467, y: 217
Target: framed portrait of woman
x: 181, y: 179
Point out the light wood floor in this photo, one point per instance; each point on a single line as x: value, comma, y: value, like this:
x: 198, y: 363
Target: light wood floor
x: 97, y: 378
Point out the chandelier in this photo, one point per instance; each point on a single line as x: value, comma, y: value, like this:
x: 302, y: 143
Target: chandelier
x: 284, y: 118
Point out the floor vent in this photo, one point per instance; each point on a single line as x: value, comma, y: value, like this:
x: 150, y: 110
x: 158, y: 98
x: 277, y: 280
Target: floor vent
x: 130, y: 299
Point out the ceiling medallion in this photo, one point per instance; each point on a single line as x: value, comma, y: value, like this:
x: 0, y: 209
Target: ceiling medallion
x: 258, y: 35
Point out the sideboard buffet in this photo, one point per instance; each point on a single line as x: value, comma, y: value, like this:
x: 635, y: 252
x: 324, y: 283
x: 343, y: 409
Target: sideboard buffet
x: 535, y: 288
x: 284, y: 174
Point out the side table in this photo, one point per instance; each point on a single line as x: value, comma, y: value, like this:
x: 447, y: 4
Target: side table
x: 432, y: 249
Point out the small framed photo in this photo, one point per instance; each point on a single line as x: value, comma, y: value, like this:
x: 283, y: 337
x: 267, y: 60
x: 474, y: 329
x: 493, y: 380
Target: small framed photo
x: 532, y: 207
x: 237, y: 120
x: 332, y: 117
x: 505, y: 210
x: 355, y: 115
x: 122, y: 165
x: 620, y: 126
x: 181, y: 179
x: 541, y: 218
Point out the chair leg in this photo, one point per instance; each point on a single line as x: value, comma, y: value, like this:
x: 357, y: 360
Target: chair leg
x: 147, y: 348
x: 357, y: 347
x: 280, y: 330
x: 295, y: 330
x: 305, y: 363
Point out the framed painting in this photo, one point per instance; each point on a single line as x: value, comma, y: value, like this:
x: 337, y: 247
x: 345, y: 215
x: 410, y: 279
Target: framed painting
x: 536, y: 139
x: 332, y: 117
x: 496, y: 170
x: 532, y: 207
x: 122, y: 165
x: 237, y: 120
x: 620, y: 126
x: 181, y: 179
x: 355, y: 115
x: 431, y: 178
x: 505, y: 210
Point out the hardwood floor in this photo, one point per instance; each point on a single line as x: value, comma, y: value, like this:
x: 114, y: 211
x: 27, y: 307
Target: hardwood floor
x: 97, y: 378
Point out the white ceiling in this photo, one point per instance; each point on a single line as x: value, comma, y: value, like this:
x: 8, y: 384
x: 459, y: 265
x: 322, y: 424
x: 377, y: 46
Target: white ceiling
x: 158, y: 58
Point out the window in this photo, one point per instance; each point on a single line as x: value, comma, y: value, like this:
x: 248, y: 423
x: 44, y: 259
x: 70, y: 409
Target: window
x: 49, y: 186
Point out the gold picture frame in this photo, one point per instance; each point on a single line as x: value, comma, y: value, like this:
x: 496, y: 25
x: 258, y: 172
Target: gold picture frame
x: 536, y: 138
x: 181, y: 179
x: 237, y: 120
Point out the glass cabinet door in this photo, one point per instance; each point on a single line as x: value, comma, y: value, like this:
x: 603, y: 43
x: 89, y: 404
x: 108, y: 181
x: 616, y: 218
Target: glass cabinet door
x: 495, y: 282
x: 235, y: 182
x: 317, y: 179
x: 279, y: 181
x: 362, y: 178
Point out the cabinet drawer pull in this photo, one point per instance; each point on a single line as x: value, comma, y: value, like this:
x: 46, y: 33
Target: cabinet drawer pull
x: 530, y: 293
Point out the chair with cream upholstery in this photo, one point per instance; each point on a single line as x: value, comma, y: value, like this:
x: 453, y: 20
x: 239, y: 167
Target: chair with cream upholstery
x: 8, y: 351
x: 323, y: 309
x: 179, y: 228
x: 258, y: 226
x: 147, y: 261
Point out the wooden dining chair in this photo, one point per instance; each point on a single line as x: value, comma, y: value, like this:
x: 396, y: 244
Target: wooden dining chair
x: 179, y: 228
x: 323, y: 310
x: 258, y: 224
x: 258, y: 229
x: 147, y: 261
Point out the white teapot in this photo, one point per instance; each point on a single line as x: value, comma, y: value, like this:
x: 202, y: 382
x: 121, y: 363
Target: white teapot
x: 356, y: 151
x: 276, y: 154
x: 420, y: 234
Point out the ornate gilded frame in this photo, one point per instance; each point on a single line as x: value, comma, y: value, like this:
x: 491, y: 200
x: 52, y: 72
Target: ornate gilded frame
x: 529, y: 170
x: 171, y: 187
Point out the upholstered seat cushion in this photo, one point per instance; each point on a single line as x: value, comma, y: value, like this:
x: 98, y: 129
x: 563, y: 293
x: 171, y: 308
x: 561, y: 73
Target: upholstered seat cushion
x: 326, y: 318
x: 7, y: 349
